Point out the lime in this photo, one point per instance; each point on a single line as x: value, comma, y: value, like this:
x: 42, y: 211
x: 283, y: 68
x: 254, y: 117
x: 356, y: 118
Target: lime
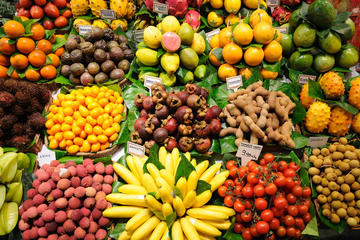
x: 304, y: 35
x: 324, y: 62
x: 301, y: 62
x: 347, y: 57
x: 287, y: 44
x: 331, y: 43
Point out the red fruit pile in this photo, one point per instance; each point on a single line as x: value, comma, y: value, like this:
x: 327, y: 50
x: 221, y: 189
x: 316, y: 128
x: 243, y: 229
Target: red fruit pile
x: 56, y: 12
x: 268, y: 198
x: 67, y: 201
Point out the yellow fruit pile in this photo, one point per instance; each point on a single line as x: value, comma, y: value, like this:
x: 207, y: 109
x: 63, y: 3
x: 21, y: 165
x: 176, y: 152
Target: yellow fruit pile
x: 155, y: 201
x: 86, y: 120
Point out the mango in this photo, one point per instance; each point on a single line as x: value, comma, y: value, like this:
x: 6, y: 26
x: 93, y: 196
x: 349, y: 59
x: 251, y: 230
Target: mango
x: 198, y: 44
x: 170, y: 62
x: 152, y: 37
x: 147, y: 56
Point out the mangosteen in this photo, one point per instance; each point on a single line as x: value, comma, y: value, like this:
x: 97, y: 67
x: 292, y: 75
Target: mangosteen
x: 87, y: 48
x: 156, y: 87
x: 77, y: 69
x: 184, y: 114
x: 117, y: 74
x: 122, y: 39
x: 160, y: 135
x: 77, y: 38
x: 204, y: 92
x: 101, y: 44
x: 65, y: 58
x: 112, y: 44
x: 186, y: 144
x: 185, y: 130
x: 196, y: 101
x: 100, y: 55
x: 93, y: 68
x: 116, y: 54
x: 107, y: 66
x: 148, y: 103
x: 216, y: 111
x: 143, y: 113
x: 148, y: 145
x: 76, y: 55
x: 192, y: 88
x: 135, y: 138
x: 97, y: 33
x: 202, y: 145
x: 139, y: 98
x: 173, y: 101
x: 170, y: 124
x: 139, y: 122
x: 108, y: 34
x: 65, y: 70
x: 101, y: 77
x: 202, y: 129
x: 71, y: 44
x: 215, y: 126
x: 123, y: 46
x: 161, y: 111
x: 124, y: 65
x: 170, y: 143
x: 144, y: 134
x: 183, y: 95
x: 73, y: 79
x: 86, y: 78
x: 129, y: 54
x: 159, y: 96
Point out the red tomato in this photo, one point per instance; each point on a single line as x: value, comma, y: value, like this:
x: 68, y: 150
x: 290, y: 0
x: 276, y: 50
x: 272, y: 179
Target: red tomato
x: 262, y: 227
x: 267, y: 215
x: 280, y: 181
x: 303, y: 209
x: 261, y: 204
x: 230, y: 164
x: 238, y: 206
x: 242, y: 171
x: 289, y: 183
x: 25, y: 4
x: 60, y: 3
x: 237, y: 190
x: 48, y: 25
x: 233, y: 171
x: 278, y: 212
x: 247, y: 191
x: 291, y: 198
x: 299, y: 223
x: 297, y: 191
x: 229, y: 182
x: 251, y: 163
x: 275, y: 166
x: 281, y: 231
x: 289, y: 172
x: 262, y: 162
x: 252, y: 178
x: 298, y: 233
x: 246, y: 234
x: 40, y: 2
x: 253, y: 231
x: 36, y: 12
x: 228, y: 201
x: 307, y: 217
x: 307, y: 202
x: 292, y: 210
x: 61, y: 22
x: 280, y: 202
x: 306, y: 192
x: 254, y: 169
x: 282, y: 165
x: 270, y: 237
x: 259, y: 190
x: 238, y: 218
x: 271, y: 189
x: 23, y: 12
x: 274, y: 224
x: 291, y: 232
x: 67, y: 13
x: 269, y: 157
x: 289, y: 220
x: 294, y: 166
x: 51, y: 10
x: 237, y: 182
x: 238, y: 227
x: 222, y: 191
x: 246, y: 216
x: 247, y: 203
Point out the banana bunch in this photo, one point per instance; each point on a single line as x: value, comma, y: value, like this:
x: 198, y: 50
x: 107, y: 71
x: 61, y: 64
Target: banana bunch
x: 151, y: 197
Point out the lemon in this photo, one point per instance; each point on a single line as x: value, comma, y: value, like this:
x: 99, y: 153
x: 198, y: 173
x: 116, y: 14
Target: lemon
x: 170, y: 24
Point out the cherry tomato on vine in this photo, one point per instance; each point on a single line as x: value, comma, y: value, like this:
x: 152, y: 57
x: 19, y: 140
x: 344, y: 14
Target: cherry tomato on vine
x: 230, y: 164
x: 291, y: 232
x: 242, y: 171
x: 274, y: 224
x: 307, y: 217
x: 246, y: 234
x: 289, y: 183
x: 289, y: 220
x: 303, y: 209
x: 238, y: 206
x: 280, y: 181
x: 271, y: 189
x: 262, y: 162
x: 247, y: 191
x: 253, y: 231
x: 229, y: 182
x: 247, y: 203
x: 280, y: 202
x: 237, y: 190
x: 306, y: 192
x: 269, y: 157
x: 291, y: 198
x: 297, y: 233
x: 233, y: 172
x: 297, y: 191
x: 281, y: 231
x: 262, y: 227
x: 278, y: 212
x: 289, y: 172
x: 238, y: 227
x: 252, y: 178
x: 292, y: 210
x: 222, y: 191
x: 228, y: 201
x: 259, y: 190
x: 261, y: 204
x: 294, y: 166
x: 246, y: 216
x: 267, y: 215
x: 299, y: 223
x: 282, y: 165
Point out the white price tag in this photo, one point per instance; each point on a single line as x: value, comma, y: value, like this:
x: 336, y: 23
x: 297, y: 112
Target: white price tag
x: 218, y: 161
x: 150, y: 80
x: 161, y: 8
x: 282, y: 29
x: 303, y: 78
x: 139, y: 35
x: 317, y: 141
x: 248, y: 152
x: 45, y: 156
x: 83, y: 29
x: 135, y: 149
x: 273, y: 3
x: 209, y: 35
x: 107, y: 14
x: 234, y: 82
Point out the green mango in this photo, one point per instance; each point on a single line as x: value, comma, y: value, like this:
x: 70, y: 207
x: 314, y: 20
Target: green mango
x: 188, y: 78
x: 168, y: 79
x: 8, y: 217
x: 200, y: 71
x: 23, y: 161
x: 8, y: 166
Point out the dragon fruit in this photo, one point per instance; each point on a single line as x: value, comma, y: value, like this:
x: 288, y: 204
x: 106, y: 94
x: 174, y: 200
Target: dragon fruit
x: 195, y: 3
x: 290, y: 2
x: 281, y: 14
x: 177, y: 8
x: 192, y: 17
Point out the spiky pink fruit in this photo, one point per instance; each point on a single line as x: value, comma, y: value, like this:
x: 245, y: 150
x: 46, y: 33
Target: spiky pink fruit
x: 177, y: 8
x: 281, y: 14
x: 192, y: 17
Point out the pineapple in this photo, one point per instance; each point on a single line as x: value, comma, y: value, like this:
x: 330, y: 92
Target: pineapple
x: 340, y: 121
x: 354, y: 93
x: 317, y: 117
x: 96, y: 6
x: 332, y: 85
x: 119, y: 22
x: 79, y: 7
x: 356, y: 123
x: 305, y: 99
x: 120, y: 7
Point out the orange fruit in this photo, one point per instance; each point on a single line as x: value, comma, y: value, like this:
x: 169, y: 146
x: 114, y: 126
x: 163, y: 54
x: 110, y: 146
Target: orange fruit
x: 45, y: 46
x: 253, y: 56
x: 277, y: 35
x: 14, y: 29
x: 32, y: 75
x: 273, y: 52
x: 14, y: 75
x: 232, y: 53
x: 258, y: 16
x: 266, y: 74
x: 38, y: 31
x: 48, y: 72
x: 245, y: 72
x: 226, y: 70
x: 263, y: 33
x: 213, y: 59
x: 4, y: 60
x: 55, y: 59
x: 231, y: 19
x: 59, y: 51
x: 214, y: 41
x: 224, y: 36
x: 5, y: 47
x: 37, y: 58
x: 23, y: 18
x: 19, y: 61
x: 25, y: 45
x: 243, y: 34
x: 3, y: 72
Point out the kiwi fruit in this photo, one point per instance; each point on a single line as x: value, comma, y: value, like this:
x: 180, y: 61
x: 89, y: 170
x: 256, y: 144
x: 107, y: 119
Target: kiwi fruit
x: 65, y: 70
x: 77, y: 69
x: 76, y: 55
x: 86, y: 78
x: 107, y: 66
x: 93, y: 68
x: 101, y: 77
x: 100, y: 55
x: 116, y: 54
x: 117, y: 74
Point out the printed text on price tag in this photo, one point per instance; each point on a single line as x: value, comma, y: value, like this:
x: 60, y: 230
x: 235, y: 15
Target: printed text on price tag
x: 45, y: 156
x: 83, y: 29
x: 150, y: 80
x: 209, y: 35
x: 234, y: 82
x: 273, y: 3
x: 161, y: 8
x: 317, y: 141
x: 282, y: 29
x: 303, y: 78
x: 107, y: 14
x: 135, y: 149
x: 248, y: 152
x: 139, y: 35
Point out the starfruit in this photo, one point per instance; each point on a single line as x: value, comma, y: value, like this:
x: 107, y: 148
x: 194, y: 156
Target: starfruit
x: 18, y: 176
x: 8, y: 166
x: 8, y: 217
x: 2, y: 194
x: 23, y: 161
x: 14, y: 193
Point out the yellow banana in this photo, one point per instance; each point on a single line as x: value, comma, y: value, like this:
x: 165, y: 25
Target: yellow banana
x: 137, y: 220
x: 121, y: 212
x: 189, y: 199
x: 175, y: 156
x: 202, y: 199
x: 167, y: 209
x: 188, y: 229
x: 206, y: 237
x: 204, y: 228
x: 228, y: 211
x: 162, y: 155
x: 210, y: 172
x: 193, y: 162
x: 127, y: 199
x: 222, y: 225
x: 132, y: 167
x: 153, y: 170
x: 201, y: 167
x: 169, y: 164
x: 169, y: 177
x: 182, y: 185
x: 125, y: 235
x: 218, y: 180
x: 188, y: 156
x: 125, y: 174
x: 132, y: 189
x: 192, y: 181
x: 165, y: 190
x: 166, y: 236
x: 149, y: 183
x: 176, y: 231
x: 158, y: 231
x: 202, y: 213
x: 144, y: 230
x: 153, y: 203
x: 139, y: 165
x: 179, y: 206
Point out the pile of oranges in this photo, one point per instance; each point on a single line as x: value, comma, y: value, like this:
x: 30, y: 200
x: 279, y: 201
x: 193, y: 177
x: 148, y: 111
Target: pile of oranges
x: 252, y: 43
x: 85, y: 120
x: 28, y: 54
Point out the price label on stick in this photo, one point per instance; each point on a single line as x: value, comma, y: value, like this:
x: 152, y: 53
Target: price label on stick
x: 83, y: 29
x: 317, y: 141
x: 282, y: 29
x: 273, y: 3
x: 139, y: 35
x: 209, y: 35
x: 248, y: 152
x: 135, y: 149
x: 234, y: 82
x: 150, y: 80
x: 45, y: 156
x: 304, y: 78
x: 107, y: 14
x: 161, y: 8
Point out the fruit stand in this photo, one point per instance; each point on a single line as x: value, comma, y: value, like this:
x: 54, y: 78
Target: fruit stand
x: 187, y: 119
